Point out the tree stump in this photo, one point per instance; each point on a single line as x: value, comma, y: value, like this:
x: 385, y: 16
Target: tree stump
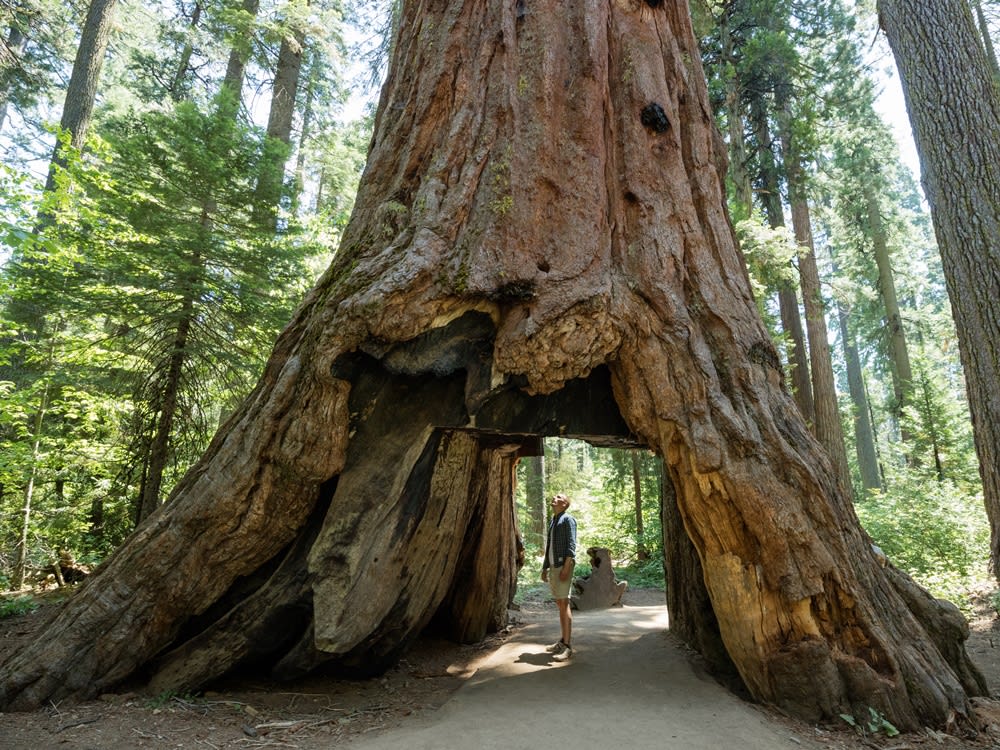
x: 601, y: 589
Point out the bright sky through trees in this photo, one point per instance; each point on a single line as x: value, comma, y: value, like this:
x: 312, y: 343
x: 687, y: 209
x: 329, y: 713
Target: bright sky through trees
x: 892, y: 106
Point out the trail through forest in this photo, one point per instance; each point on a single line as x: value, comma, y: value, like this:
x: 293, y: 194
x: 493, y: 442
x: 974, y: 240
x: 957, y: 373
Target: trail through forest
x: 630, y: 684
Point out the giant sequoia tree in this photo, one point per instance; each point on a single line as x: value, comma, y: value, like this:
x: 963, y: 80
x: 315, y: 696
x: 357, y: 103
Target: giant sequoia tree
x: 539, y: 246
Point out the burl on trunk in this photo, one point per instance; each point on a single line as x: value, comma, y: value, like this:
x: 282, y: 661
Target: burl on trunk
x: 540, y: 246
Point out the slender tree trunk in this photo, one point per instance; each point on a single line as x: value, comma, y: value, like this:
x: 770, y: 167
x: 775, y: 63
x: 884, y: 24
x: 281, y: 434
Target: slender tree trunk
x: 267, y: 195
x: 864, y: 436
x: 929, y: 418
x: 949, y: 91
x: 526, y: 257
x: 640, y: 545
x: 899, y: 354
x: 82, y: 89
x: 231, y: 91
x: 931, y: 426
x: 320, y: 188
x: 534, y: 469
x: 791, y: 321
x: 21, y: 557
x: 305, y: 134
x: 987, y: 40
x: 738, y: 173
x: 177, y: 85
x: 828, y: 428
x: 159, y: 450
x: 16, y: 44
x: 157, y: 454
x: 95, y: 519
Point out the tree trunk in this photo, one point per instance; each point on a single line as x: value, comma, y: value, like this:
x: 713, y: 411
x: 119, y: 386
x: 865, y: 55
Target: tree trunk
x: 534, y: 491
x: 486, y: 574
x: 177, y: 85
x: 540, y: 246
x: 828, y: 428
x: 987, y: 40
x: 21, y: 556
x: 864, y: 436
x: 949, y: 91
x: 692, y: 618
x: 169, y: 390
x: 267, y: 195
x: 788, y: 304
x: 899, y: 354
x: 640, y: 546
x: 231, y: 90
x: 739, y: 175
x: 82, y: 89
x: 21, y: 553
x: 305, y: 133
x: 930, y: 425
x: 16, y: 43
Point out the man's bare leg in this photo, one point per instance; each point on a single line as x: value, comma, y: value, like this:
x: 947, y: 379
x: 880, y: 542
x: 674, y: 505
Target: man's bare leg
x: 565, y: 620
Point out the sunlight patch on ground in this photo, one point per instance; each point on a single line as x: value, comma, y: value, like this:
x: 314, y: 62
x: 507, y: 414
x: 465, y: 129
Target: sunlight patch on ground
x: 614, y: 628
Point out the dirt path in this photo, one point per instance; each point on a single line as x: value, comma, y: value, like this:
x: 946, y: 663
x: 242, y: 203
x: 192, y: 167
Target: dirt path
x: 630, y: 684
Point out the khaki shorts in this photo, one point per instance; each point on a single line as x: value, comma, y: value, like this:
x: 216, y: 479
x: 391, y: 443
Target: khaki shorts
x: 560, y: 589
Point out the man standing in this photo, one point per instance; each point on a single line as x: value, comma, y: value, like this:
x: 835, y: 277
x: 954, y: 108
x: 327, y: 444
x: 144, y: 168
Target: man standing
x: 560, y: 557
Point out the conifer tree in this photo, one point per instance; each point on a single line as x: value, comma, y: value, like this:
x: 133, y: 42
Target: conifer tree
x: 78, y: 106
x: 949, y: 90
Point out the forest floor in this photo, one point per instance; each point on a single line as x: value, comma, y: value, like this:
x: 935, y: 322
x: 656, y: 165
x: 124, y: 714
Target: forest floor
x: 628, y: 677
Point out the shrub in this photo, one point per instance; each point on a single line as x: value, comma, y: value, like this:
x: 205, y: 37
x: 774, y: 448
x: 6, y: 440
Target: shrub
x: 18, y: 605
x: 932, y: 530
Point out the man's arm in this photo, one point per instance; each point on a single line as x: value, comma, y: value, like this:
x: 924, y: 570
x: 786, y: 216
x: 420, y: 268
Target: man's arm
x: 571, y: 544
x: 570, y: 561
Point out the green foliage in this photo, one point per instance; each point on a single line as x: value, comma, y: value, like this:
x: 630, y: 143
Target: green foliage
x: 874, y: 723
x: 340, y: 154
x: 930, y: 528
x: 38, y: 48
x: 57, y: 416
x: 601, y: 484
x: 769, y: 254
x: 161, y: 700
x: 149, y: 232
x: 187, y: 263
x: 148, y: 235
x: 17, y: 605
x: 644, y: 575
x: 995, y: 601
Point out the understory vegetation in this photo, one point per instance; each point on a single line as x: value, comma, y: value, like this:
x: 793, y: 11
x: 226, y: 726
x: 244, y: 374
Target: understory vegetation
x: 935, y: 530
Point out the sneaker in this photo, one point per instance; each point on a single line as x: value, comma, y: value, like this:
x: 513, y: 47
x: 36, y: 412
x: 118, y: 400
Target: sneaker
x: 556, y: 648
x: 563, y: 655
